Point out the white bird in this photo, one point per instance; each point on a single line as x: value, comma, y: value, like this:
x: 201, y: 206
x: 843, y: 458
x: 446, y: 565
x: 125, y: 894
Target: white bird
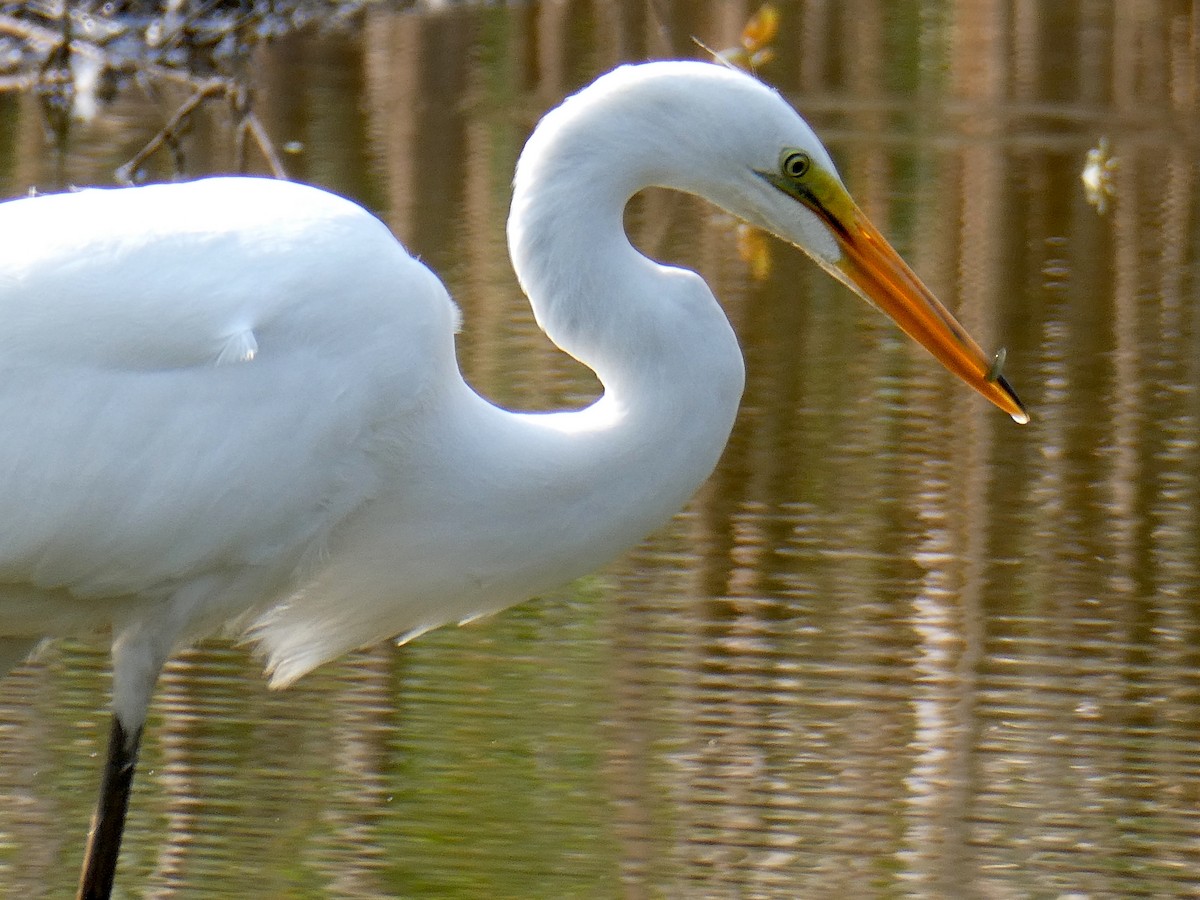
x: 234, y: 404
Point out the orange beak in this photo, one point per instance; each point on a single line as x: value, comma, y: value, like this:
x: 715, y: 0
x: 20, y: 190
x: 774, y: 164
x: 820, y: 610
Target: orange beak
x: 876, y: 271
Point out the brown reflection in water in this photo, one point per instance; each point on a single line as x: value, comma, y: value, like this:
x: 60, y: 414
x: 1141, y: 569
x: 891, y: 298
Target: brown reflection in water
x: 182, y: 710
x: 353, y: 818
x: 24, y: 733
x: 895, y: 645
x: 418, y: 122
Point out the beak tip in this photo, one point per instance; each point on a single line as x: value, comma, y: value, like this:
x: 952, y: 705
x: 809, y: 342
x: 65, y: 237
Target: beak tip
x: 1015, y: 408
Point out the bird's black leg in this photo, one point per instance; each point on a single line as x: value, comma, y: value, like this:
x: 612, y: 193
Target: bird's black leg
x: 104, y: 840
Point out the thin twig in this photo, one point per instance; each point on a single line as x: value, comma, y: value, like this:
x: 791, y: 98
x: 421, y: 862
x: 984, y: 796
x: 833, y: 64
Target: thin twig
x: 172, y: 129
x: 252, y: 123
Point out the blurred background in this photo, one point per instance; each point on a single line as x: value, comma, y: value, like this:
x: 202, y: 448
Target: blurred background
x: 897, y: 646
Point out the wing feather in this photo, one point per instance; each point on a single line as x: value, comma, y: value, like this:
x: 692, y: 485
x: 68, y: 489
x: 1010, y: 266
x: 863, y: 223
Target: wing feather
x: 194, y: 377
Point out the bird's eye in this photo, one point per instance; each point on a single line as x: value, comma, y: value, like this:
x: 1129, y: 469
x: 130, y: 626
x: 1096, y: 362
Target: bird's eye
x: 795, y: 163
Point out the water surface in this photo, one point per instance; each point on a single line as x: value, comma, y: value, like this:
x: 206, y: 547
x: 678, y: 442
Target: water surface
x: 896, y: 646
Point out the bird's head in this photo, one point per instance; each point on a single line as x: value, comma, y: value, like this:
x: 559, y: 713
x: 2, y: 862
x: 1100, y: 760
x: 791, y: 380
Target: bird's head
x: 747, y: 150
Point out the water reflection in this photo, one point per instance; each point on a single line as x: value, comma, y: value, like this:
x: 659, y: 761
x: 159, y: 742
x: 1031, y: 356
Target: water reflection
x: 896, y: 646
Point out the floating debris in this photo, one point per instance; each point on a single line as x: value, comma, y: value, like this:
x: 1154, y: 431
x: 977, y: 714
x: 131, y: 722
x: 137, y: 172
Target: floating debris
x: 1098, y: 176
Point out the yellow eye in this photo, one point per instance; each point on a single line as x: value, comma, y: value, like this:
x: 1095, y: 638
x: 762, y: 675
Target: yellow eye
x: 794, y: 163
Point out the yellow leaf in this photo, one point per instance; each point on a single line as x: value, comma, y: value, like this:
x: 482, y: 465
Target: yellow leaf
x: 761, y: 28
x: 755, y: 250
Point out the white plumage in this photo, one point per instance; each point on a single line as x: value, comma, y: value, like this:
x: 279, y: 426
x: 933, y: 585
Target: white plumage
x: 235, y: 403
x: 194, y: 396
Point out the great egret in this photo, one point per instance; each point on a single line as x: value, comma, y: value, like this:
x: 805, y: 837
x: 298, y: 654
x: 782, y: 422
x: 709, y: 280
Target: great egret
x: 235, y: 403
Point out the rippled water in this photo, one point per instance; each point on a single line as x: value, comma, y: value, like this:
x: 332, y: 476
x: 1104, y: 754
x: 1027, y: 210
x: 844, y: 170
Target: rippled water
x: 897, y: 646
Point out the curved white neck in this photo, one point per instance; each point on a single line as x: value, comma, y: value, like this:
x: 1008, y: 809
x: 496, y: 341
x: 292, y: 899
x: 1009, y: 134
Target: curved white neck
x: 654, y: 335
